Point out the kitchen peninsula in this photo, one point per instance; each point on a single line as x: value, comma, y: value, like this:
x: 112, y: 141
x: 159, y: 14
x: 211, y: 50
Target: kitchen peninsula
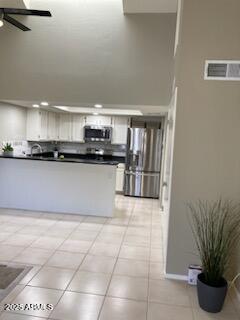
x: 74, y: 186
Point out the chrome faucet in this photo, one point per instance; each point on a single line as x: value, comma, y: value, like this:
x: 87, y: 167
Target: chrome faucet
x: 36, y: 146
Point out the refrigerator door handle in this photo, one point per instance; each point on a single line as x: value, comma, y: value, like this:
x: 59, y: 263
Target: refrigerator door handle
x: 133, y: 173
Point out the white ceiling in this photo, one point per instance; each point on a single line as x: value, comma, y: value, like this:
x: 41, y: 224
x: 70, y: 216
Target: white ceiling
x: 107, y: 109
x: 149, y: 6
x: 129, y: 6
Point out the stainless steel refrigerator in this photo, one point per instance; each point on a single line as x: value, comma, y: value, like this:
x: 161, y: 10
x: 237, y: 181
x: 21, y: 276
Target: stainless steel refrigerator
x: 143, y: 162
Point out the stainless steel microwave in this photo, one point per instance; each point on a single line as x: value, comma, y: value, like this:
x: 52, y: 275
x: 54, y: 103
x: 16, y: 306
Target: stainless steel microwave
x: 97, y: 133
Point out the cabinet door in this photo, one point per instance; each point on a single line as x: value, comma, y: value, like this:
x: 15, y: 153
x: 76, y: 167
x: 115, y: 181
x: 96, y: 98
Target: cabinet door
x: 44, y: 125
x: 77, y: 127
x: 119, y: 180
x: 65, y: 127
x: 105, y: 121
x: 120, y: 128
x: 52, y: 131
x: 33, y: 125
x: 99, y: 120
x: 91, y: 120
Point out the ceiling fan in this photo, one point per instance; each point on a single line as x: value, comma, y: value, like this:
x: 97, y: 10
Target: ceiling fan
x: 6, y: 12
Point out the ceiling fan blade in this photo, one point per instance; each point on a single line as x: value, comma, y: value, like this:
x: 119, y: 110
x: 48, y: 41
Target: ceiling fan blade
x: 26, y: 12
x: 16, y: 23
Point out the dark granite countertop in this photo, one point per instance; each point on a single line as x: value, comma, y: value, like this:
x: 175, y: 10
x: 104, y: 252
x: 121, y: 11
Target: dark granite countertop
x: 71, y: 157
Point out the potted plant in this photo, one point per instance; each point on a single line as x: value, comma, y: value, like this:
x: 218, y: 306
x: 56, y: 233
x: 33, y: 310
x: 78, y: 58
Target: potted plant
x: 7, y: 149
x: 216, y: 229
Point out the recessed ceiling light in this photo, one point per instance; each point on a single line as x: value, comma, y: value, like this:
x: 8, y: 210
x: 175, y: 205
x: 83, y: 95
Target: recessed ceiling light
x: 62, y: 108
x: 95, y: 113
x: 44, y: 103
x: 98, y: 106
x: 35, y: 105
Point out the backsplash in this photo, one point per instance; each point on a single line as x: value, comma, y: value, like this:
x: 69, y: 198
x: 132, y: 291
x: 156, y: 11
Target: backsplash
x: 19, y: 147
x: 24, y: 147
x: 72, y: 147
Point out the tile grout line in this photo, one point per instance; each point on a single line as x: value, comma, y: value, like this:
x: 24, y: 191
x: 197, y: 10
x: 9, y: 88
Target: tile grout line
x: 131, y: 223
x: 42, y: 266
x: 149, y: 263
x: 117, y: 257
x: 85, y: 254
x: 29, y: 246
x: 60, y: 244
x: 11, y: 261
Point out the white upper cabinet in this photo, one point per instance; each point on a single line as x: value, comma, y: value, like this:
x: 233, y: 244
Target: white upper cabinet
x: 41, y: 125
x: 98, y: 120
x: 77, y: 127
x: 37, y: 125
x: 33, y: 125
x: 120, y: 129
x: 52, y: 127
x: 65, y: 127
x: 44, y: 125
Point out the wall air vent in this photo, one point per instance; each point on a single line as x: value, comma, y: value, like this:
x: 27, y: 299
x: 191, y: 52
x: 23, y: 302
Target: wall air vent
x: 227, y: 70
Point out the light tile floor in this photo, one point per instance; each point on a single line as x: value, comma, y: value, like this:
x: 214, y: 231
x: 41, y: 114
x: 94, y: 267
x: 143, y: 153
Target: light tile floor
x: 93, y: 268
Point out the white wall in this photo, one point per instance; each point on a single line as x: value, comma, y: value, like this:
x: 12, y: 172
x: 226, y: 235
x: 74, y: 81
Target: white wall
x: 14, y: 3
x: 167, y: 173
x: 12, y: 123
x: 89, y: 52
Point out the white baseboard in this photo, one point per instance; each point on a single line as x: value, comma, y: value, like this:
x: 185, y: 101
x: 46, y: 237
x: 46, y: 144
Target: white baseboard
x: 176, y: 277
x: 180, y: 277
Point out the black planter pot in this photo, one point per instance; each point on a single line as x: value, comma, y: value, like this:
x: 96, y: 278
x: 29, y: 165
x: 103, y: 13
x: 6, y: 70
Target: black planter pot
x: 211, y: 299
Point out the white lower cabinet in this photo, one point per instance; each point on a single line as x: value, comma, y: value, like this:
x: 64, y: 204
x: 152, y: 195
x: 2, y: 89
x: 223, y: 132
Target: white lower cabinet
x: 120, y: 177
